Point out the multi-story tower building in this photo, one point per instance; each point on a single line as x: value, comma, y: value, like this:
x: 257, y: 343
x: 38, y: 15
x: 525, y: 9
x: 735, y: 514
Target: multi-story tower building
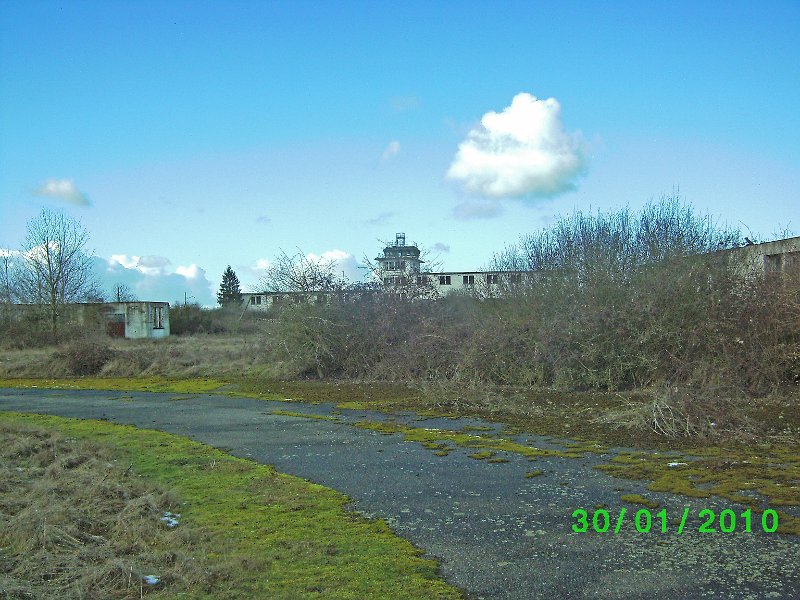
x: 400, y: 263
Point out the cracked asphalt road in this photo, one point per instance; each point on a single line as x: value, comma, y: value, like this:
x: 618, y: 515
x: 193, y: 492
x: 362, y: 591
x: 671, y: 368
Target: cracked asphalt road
x: 496, y: 533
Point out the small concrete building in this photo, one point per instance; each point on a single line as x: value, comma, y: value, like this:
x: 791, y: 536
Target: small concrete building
x: 133, y: 320
x: 136, y: 320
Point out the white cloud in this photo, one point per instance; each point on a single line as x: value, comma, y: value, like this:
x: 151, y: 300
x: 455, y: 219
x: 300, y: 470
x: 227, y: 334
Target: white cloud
x: 521, y: 151
x: 440, y: 247
x: 391, y: 150
x: 149, y: 265
x: 250, y: 275
x: 477, y: 209
x: 156, y: 282
x: 152, y: 261
x: 343, y: 263
x: 191, y: 272
x: 63, y: 189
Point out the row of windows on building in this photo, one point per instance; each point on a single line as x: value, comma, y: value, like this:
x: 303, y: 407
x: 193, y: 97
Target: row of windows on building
x: 490, y: 278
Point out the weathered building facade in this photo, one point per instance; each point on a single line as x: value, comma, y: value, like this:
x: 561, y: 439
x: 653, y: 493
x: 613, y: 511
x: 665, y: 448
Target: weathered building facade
x: 136, y: 320
x: 132, y: 320
x: 778, y: 257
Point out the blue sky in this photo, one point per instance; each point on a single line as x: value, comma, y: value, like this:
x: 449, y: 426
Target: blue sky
x: 187, y: 136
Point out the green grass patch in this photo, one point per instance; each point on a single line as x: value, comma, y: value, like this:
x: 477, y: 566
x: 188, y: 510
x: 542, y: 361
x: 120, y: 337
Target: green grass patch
x: 440, y: 438
x: 638, y: 499
x: 198, y: 385
x: 482, y: 455
x: 532, y: 474
x: 279, y: 536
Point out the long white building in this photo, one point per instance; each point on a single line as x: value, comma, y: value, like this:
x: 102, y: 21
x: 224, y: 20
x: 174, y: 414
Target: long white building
x: 399, y: 269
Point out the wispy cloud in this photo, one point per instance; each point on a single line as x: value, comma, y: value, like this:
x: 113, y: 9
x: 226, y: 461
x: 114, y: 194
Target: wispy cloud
x: 405, y: 103
x: 63, y: 189
x: 521, y: 151
x: 440, y: 247
x: 263, y: 219
x: 381, y: 219
x: 391, y: 150
x: 477, y: 209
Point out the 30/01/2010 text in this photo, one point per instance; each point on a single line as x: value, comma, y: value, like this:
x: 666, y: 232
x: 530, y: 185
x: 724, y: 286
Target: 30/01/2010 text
x: 600, y: 521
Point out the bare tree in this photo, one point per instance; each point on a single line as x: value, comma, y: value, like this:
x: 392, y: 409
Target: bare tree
x: 56, y: 266
x: 122, y: 293
x: 301, y: 273
x: 7, y: 283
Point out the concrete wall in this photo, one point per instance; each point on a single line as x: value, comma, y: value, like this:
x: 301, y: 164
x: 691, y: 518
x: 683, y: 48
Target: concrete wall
x: 132, y: 320
x: 142, y: 319
x: 780, y: 256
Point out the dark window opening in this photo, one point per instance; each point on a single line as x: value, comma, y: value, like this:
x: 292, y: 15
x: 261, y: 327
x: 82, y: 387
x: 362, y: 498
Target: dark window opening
x: 158, y: 317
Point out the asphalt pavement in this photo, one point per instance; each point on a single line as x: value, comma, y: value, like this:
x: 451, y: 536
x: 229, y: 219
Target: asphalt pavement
x: 496, y: 533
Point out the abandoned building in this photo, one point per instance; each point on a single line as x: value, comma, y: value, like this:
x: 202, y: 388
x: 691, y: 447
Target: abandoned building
x: 778, y: 257
x: 400, y: 265
x: 136, y: 320
x: 399, y: 268
x: 132, y: 320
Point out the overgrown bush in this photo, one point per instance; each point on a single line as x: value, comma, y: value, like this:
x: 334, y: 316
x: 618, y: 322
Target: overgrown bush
x: 85, y: 356
x: 617, y: 302
x: 190, y: 319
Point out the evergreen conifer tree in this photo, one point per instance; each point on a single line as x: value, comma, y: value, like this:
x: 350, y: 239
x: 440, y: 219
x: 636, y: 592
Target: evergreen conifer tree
x: 229, y: 292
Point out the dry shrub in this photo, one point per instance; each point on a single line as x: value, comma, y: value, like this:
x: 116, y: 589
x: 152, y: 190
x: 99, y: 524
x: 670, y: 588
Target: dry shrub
x: 709, y: 414
x: 85, y: 356
x: 77, y: 525
x: 474, y: 398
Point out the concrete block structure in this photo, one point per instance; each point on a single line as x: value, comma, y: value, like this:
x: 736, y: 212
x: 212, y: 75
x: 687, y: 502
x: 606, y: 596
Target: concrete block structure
x: 136, y: 320
x: 132, y: 320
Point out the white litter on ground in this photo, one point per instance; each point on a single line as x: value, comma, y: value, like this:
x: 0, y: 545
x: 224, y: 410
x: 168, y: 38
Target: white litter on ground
x: 150, y: 579
x: 677, y: 464
x: 171, y: 519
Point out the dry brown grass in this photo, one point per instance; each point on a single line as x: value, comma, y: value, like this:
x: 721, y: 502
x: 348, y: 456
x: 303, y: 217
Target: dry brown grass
x: 74, y: 524
x: 221, y: 355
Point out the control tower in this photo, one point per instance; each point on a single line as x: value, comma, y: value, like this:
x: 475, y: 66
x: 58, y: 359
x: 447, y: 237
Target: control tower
x: 399, y: 262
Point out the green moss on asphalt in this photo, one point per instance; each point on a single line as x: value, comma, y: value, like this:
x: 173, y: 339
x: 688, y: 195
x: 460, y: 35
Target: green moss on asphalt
x: 760, y: 477
x: 771, y: 472
x: 638, y: 499
x: 281, y: 537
